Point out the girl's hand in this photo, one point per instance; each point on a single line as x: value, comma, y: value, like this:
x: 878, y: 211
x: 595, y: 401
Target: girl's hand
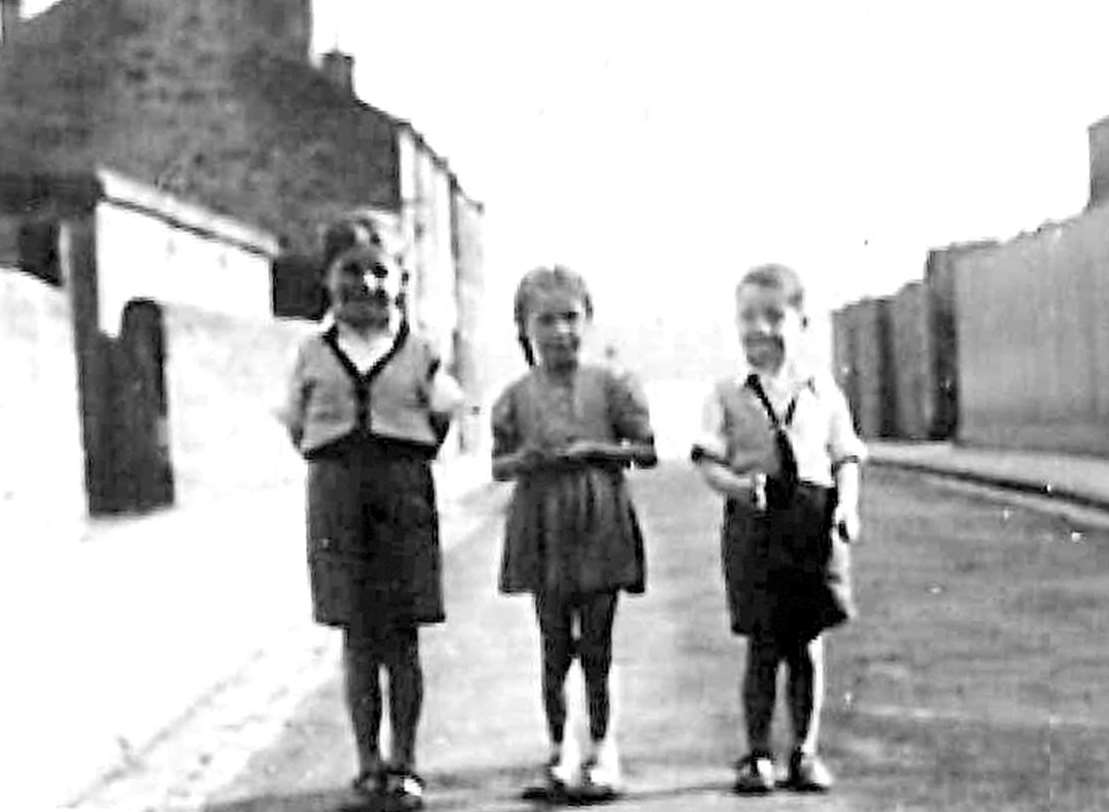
x: 531, y: 458
x: 845, y: 521
x: 580, y: 450
x: 509, y: 466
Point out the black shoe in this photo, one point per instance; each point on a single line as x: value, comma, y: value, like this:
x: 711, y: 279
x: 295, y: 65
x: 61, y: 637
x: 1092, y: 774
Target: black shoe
x: 755, y: 774
x: 369, y: 782
x: 550, y: 788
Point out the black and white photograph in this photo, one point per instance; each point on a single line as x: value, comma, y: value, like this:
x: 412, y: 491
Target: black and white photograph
x: 503, y: 405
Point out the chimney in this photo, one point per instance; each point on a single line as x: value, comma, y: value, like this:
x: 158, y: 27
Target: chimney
x: 338, y: 67
x: 11, y: 12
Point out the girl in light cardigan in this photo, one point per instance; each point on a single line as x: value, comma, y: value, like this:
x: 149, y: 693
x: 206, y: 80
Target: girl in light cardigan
x: 368, y: 405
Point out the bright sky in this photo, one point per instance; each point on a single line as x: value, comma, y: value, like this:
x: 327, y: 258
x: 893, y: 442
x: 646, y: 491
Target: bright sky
x: 659, y: 146
x: 682, y: 141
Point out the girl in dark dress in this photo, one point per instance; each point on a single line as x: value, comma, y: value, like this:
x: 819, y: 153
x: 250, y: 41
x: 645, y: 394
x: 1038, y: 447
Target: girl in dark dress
x: 368, y: 403
x: 565, y: 432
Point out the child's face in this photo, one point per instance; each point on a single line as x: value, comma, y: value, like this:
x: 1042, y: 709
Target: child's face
x: 556, y: 325
x: 364, y: 285
x: 770, y: 328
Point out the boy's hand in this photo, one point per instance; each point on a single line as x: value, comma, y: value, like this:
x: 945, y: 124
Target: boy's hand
x: 845, y: 521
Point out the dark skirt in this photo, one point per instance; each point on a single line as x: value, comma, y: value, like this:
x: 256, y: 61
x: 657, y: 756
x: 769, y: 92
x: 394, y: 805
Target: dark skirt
x: 787, y: 577
x: 572, y: 532
x: 373, y: 537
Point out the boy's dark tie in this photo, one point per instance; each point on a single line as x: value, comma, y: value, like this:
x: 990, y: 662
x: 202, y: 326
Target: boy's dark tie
x: 781, y: 487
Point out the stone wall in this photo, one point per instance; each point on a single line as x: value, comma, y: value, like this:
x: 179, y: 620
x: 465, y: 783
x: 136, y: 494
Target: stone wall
x: 199, y: 98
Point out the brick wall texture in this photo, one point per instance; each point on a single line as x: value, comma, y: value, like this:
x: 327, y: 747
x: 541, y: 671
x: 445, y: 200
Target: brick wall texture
x: 211, y: 100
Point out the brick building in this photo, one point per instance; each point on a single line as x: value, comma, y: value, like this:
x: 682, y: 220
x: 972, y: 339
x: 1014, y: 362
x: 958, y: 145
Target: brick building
x: 220, y: 102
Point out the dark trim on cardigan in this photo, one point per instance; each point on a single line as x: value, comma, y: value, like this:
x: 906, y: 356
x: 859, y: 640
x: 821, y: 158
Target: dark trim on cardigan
x: 362, y: 382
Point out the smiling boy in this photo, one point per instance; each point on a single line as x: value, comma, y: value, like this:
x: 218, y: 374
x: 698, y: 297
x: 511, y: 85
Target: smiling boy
x: 778, y: 443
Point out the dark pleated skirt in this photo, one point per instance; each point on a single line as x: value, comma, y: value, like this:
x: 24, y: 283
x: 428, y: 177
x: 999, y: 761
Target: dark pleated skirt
x: 573, y: 532
x: 786, y: 577
x: 373, y: 536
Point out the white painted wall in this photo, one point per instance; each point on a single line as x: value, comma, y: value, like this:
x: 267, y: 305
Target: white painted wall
x: 426, y: 226
x: 141, y: 255
x: 42, y: 465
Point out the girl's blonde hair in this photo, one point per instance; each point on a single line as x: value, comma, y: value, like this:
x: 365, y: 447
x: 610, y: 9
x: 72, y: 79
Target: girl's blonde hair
x: 542, y: 279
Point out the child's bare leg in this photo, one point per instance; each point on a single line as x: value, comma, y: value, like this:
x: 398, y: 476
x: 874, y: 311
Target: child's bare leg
x: 406, y: 694
x: 361, y: 674
x: 597, y: 614
x: 556, y: 632
x: 759, y: 692
x: 806, y: 692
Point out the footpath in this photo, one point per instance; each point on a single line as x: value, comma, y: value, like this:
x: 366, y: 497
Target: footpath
x: 168, y: 646
x: 134, y: 632
x: 967, y: 683
x: 1071, y: 478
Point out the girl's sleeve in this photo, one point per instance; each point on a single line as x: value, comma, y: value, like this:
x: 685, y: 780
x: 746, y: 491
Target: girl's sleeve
x: 629, y: 412
x: 506, y: 430
x: 444, y: 395
x: 844, y: 444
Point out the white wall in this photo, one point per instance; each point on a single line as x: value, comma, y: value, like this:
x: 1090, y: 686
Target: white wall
x: 42, y: 465
x: 141, y: 255
x: 426, y: 202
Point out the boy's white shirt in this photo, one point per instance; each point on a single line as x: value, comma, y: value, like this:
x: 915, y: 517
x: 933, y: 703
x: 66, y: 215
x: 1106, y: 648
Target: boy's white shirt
x: 821, y: 430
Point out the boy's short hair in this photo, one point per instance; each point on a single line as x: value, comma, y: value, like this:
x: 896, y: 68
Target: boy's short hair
x: 777, y: 277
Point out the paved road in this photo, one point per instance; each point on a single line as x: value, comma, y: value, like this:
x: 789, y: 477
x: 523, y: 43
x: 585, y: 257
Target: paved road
x: 971, y: 681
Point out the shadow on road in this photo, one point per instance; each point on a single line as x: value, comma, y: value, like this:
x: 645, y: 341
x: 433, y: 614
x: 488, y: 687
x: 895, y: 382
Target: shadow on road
x: 487, y: 788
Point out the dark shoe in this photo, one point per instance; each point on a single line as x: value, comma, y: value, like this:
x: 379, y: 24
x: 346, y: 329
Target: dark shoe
x: 807, y: 773
x: 754, y: 774
x: 369, y: 782
x: 550, y: 788
x: 406, y: 790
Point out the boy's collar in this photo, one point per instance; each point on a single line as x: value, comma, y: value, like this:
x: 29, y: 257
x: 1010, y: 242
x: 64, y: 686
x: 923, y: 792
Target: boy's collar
x: 792, y: 374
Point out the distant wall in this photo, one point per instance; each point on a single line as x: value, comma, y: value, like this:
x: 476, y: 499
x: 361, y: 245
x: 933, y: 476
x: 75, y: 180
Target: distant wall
x: 912, y: 363
x: 472, y: 336
x: 874, y: 387
x: 897, y: 358
x: 1099, y: 162
x: 843, y: 354
x: 426, y: 225
x: 1034, y: 339
x: 42, y: 474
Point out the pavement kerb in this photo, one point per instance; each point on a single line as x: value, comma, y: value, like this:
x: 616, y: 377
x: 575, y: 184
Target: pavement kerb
x: 1029, y: 486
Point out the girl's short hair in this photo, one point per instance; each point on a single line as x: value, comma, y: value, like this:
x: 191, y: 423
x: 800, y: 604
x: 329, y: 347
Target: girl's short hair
x: 543, y: 279
x: 776, y: 277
